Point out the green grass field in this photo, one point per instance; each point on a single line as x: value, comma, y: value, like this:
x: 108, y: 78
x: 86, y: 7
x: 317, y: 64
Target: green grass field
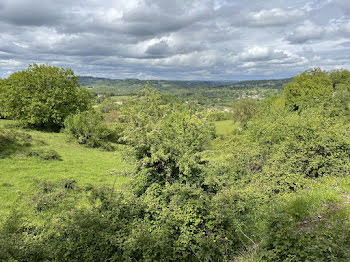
x: 19, y: 174
x: 225, y: 127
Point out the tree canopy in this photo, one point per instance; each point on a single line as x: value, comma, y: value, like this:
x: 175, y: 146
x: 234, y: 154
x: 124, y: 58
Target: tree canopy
x: 43, y: 95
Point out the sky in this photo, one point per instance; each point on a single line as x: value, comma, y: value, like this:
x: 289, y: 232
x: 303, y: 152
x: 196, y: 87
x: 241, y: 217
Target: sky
x: 176, y: 39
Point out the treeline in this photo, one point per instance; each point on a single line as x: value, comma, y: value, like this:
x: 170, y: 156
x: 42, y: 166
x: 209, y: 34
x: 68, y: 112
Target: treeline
x: 276, y: 189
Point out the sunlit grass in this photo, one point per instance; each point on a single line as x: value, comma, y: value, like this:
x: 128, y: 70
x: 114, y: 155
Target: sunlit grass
x: 20, y: 174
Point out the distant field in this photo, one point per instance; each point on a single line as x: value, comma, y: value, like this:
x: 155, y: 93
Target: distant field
x: 225, y: 127
x: 20, y: 174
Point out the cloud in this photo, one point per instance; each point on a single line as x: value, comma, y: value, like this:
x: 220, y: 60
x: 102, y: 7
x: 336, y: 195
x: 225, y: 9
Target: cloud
x: 183, y: 39
x: 344, y: 5
x: 306, y: 32
x: 275, y: 17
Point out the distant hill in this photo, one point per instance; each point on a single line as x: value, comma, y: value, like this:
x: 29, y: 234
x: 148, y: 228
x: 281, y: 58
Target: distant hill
x: 131, y: 86
x: 202, y: 92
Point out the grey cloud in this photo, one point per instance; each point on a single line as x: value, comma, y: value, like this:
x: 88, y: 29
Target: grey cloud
x: 306, y: 32
x: 158, y: 49
x: 183, y: 39
x: 344, y: 5
x: 30, y: 13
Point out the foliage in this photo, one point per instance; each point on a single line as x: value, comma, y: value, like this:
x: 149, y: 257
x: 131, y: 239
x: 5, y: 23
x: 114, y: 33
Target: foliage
x: 167, y: 139
x: 244, y: 110
x: 43, y: 96
x: 309, y: 227
x: 107, y: 106
x: 219, y: 116
x: 11, y: 141
x: 308, y: 89
x: 88, y: 128
x: 44, y: 154
x: 276, y: 190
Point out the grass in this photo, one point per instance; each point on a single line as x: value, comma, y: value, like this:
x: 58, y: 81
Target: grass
x: 20, y: 173
x: 225, y: 127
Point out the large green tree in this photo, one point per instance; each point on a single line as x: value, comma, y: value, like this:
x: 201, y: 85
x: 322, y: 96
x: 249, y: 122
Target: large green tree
x: 43, y: 95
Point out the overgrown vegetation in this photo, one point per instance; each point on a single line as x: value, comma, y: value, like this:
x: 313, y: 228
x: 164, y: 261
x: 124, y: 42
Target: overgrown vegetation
x: 88, y: 129
x: 274, y: 187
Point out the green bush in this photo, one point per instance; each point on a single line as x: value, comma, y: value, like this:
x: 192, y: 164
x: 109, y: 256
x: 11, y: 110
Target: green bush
x: 309, y: 227
x: 219, y: 116
x: 88, y: 129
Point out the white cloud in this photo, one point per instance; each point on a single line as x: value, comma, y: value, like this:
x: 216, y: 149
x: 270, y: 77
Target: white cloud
x: 275, y: 17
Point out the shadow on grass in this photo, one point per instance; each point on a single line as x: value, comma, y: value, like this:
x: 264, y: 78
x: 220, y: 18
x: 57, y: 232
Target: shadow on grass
x: 12, y: 142
x: 21, y: 144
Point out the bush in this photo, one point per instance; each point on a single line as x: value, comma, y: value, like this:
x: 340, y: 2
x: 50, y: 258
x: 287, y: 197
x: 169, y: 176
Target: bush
x: 107, y: 106
x: 219, y: 116
x: 244, y: 110
x: 166, y: 140
x: 309, y: 227
x: 88, y: 128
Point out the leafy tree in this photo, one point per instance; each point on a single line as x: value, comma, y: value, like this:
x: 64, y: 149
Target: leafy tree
x: 311, y: 87
x: 43, y: 95
x: 339, y: 78
x: 244, y: 109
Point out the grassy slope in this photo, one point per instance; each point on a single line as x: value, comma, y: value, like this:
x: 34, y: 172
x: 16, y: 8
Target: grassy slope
x: 225, y: 127
x: 19, y: 175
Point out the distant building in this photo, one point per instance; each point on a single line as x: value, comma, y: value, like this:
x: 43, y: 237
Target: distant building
x: 118, y: 102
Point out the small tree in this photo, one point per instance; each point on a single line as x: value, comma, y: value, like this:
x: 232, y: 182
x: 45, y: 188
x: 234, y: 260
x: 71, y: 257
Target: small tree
x: 43, y: 96
x: 244, y: 110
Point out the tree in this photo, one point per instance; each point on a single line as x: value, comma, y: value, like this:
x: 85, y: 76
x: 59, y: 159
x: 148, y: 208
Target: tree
x: 244, y: 109
x: 43, y: 96
x: 311, y: 87
x: 340, y: 77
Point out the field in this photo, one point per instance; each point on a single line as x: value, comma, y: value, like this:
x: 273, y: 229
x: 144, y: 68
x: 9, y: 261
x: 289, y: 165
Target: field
x: 225, y: 127
x: 20, y: 174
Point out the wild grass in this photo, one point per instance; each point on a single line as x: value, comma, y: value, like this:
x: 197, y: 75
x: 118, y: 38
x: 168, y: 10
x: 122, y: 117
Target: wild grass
x: 226, y: 127
x: 22, y: 170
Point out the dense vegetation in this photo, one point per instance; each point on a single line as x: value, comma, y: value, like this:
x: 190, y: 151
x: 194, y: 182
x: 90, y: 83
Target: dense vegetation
x: 270, y: 184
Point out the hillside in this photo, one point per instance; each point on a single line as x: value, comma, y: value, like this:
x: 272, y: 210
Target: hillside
x: 202, y: 92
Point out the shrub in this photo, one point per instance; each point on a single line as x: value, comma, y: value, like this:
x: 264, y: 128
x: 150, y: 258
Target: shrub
x: 309, y: 227
x: 88, y: 128
x: 44, y: 154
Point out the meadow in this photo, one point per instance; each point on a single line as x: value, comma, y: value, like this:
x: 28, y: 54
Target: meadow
x: 20, y: 173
